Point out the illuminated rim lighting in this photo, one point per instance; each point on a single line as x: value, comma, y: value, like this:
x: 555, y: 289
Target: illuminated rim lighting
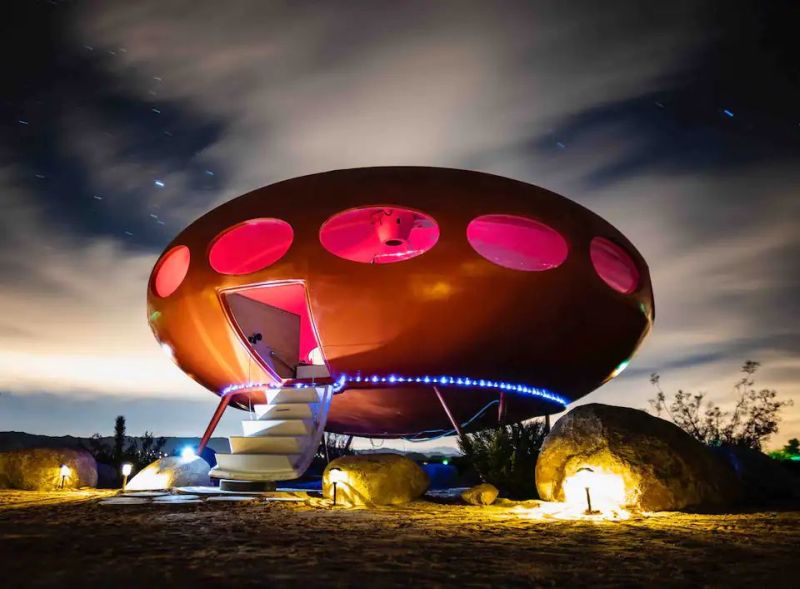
x: 394, y: 380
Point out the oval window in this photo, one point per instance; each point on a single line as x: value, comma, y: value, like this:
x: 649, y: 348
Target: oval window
x: 171, y: 270
x: 517, y: 243
x: 379, y: 234
x: 614, y: 265
x: 250, y: 246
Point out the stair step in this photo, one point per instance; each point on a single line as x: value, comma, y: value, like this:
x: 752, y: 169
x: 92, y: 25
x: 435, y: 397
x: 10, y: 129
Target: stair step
x: 256, y: 462
x: 277, y: 427
x: 256, y: 467
x: 292, y: 395
x: 268, y: 445
x: 288, y: 411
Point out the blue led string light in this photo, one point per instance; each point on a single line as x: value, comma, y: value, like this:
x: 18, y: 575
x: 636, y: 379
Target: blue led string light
x: 392, y: 380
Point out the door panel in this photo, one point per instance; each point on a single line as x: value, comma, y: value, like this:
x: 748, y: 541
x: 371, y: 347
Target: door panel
x: 279, y: 329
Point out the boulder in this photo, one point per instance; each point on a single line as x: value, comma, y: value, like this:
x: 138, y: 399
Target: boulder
x: 39, y: 469
x: 762, y: 479
x: 483, y: 494
x: 169, y: 472
x: 628, y: 458
x: 374, y: 479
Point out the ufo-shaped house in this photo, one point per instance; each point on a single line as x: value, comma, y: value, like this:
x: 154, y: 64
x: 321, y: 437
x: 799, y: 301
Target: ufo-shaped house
x: 394, y: 302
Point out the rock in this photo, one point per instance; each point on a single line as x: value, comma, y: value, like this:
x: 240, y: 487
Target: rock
x: 628, y: 458
x: 169, y: 472
x: 483, y: 494
x: 374, y: 479
x: 39, y: 469
x: 762, y: 479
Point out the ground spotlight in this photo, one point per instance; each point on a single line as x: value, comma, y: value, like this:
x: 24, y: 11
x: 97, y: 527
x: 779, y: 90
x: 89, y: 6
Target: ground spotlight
x: 126, y: 471
x: 336, y: 475
x: 585, y: 474
x: 65, y: 471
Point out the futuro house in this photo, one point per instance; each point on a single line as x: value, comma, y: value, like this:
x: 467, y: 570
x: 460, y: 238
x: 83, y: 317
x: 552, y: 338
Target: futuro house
x: 394, y: 302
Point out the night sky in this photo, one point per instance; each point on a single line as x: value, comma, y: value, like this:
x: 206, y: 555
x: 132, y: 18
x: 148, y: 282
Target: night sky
x: 121, y: 122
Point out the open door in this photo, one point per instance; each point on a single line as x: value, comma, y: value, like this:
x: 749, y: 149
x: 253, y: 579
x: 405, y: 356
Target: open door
x: 273, y: 333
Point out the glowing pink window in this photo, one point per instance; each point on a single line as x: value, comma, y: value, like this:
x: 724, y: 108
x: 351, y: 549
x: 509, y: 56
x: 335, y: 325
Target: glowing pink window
x: 614, y: 265
x: 379, y: 235
x: 171, y: 270
x: 250, y: 246
x: 517, y: 243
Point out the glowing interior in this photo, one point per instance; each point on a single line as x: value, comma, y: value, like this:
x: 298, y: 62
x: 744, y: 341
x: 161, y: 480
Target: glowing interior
x: 250, y: 246
x: 171, y: 271
x: 614, y: 265
x: 379, y: 235
x: 291, y: 298
x: 517, y: 243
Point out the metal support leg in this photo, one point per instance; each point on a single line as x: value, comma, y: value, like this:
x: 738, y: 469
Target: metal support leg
x: 452, y: 419
x: 223, y: 404
x: 547, y: 424
x: 456, y: 427
x: 501, y: 409
x: 347, y: 445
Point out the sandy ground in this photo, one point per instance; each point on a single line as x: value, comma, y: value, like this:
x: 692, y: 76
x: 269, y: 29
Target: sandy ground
x: 70, y: 539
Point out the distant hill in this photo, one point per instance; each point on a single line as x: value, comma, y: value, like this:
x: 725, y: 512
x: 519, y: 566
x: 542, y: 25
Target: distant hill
x: 21, y: 440
x: 432, y: 454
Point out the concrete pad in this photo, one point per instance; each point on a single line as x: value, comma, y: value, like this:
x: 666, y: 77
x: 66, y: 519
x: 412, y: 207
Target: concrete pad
x: 218, y: 498
x: 178, y: 499
x: 125, y: 501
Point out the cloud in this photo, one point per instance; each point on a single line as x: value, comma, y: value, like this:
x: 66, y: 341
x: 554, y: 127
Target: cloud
x: 305, y: 88
x: 723, y: 254
x: 594, y: 100
x: 74, y: 311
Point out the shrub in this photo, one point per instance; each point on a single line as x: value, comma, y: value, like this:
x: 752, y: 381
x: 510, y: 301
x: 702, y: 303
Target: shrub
x: 790, y: 451
x: 139, y: 451
x: 752, y: 421
x: 505, y: 456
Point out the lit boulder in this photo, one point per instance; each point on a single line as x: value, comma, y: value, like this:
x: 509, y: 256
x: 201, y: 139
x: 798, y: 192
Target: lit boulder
x: 39, y: 469
x: 170, y: 472
x: 374, y: 479
x: 628, y: 458
x: 483, y: 494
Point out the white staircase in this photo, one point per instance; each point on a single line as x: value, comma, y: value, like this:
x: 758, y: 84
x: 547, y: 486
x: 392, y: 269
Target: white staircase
x: 281, y: 441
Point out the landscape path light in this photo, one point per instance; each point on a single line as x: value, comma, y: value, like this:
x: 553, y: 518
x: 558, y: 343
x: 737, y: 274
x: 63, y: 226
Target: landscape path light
x: 126, y: 471
x: 336, y: 475
x: 585, y: 474
x: 65, y: 470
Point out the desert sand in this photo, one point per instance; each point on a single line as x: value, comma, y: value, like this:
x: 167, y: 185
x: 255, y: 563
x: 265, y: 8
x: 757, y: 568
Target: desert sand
x: 71, y: 539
